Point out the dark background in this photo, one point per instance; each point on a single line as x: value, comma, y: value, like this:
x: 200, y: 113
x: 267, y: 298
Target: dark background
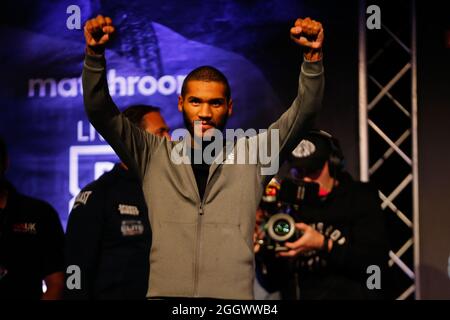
x: 433, y: 35
x: 255, y: 34
x: 247, y: 37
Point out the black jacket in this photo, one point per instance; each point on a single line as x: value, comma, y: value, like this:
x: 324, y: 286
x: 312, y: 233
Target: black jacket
x: 108, y: 236
x: 31, y: 246
x: 351, y: 216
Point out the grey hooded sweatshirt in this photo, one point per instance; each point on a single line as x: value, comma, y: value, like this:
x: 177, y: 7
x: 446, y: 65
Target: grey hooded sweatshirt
x: 200, y: 247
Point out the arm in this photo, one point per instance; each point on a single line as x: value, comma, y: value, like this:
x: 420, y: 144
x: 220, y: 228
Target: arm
x: 52, y: 255
x: 299, y: 118
x: 55, y: 286
x: 83, y: 239
x: 133, y: 145
x: 367, y: 244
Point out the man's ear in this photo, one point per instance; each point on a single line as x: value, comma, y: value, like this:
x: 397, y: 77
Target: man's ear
x: 230, y: 107
x: 180, y: 103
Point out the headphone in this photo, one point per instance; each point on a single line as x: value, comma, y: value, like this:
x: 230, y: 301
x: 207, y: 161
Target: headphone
x: 336, y: 161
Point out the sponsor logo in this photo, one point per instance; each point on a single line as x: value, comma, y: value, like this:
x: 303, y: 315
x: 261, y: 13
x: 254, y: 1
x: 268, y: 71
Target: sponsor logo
x: 82, y: 198
x: 131, y: 228
x: 27, y: 227
x: 128, y: 210
x: 304, y: 149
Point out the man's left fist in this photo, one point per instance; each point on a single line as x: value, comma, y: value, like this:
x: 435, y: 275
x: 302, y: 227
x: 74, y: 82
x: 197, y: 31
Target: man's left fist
x: 308, y: 34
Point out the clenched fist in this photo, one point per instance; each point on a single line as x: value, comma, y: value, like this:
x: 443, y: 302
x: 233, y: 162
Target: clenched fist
x: 309, y: 34
x: 98, y: 32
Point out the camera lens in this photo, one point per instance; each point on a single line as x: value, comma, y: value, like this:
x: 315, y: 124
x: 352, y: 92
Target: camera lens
x: 281, y: 227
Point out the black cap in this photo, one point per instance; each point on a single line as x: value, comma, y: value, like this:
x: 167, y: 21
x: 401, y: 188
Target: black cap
x: 311, y: 153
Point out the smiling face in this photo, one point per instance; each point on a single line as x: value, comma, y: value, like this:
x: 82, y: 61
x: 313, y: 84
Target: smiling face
x: 204, y: 104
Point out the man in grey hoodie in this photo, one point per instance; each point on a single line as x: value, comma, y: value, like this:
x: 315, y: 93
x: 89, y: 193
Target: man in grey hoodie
x: 202, y: 215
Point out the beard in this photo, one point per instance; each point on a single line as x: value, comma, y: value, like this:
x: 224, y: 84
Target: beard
x: 189, y: 124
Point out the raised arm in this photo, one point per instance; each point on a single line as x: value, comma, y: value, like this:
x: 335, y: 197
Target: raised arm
x: 133, y: 145
x: 299, y: 118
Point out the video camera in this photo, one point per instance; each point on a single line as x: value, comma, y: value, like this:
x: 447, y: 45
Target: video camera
x: 281, y: 206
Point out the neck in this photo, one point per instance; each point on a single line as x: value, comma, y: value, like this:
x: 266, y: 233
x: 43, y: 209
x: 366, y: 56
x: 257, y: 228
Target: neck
x: 328, y: 184
x: 197, y: 142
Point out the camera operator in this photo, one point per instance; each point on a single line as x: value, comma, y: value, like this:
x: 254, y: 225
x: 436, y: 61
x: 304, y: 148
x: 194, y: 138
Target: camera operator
x: 341, y: 232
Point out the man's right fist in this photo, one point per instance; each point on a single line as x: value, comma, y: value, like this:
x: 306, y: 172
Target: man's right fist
x: 97, y: 33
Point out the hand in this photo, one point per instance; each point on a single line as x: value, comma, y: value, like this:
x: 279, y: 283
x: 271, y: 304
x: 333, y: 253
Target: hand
x: 309, y: 34
x: 258, y: 233
x: 310, y: 240
x: 98, y: 32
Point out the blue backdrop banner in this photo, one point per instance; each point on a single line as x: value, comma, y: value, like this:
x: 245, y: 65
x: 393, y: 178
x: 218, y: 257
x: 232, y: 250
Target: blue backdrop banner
x: 54, y: 151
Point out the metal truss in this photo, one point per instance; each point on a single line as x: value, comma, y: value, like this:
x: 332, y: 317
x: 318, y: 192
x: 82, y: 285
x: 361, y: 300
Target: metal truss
x: 394, y: 140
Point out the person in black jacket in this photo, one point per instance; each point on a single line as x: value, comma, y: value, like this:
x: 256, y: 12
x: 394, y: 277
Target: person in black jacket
x: 108, y: 233
x: 342, y: 231
x: 31, y: 244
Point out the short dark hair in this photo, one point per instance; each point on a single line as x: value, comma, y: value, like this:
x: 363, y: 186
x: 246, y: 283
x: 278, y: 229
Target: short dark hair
x: 209, y: 74
x: 136, y: 113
